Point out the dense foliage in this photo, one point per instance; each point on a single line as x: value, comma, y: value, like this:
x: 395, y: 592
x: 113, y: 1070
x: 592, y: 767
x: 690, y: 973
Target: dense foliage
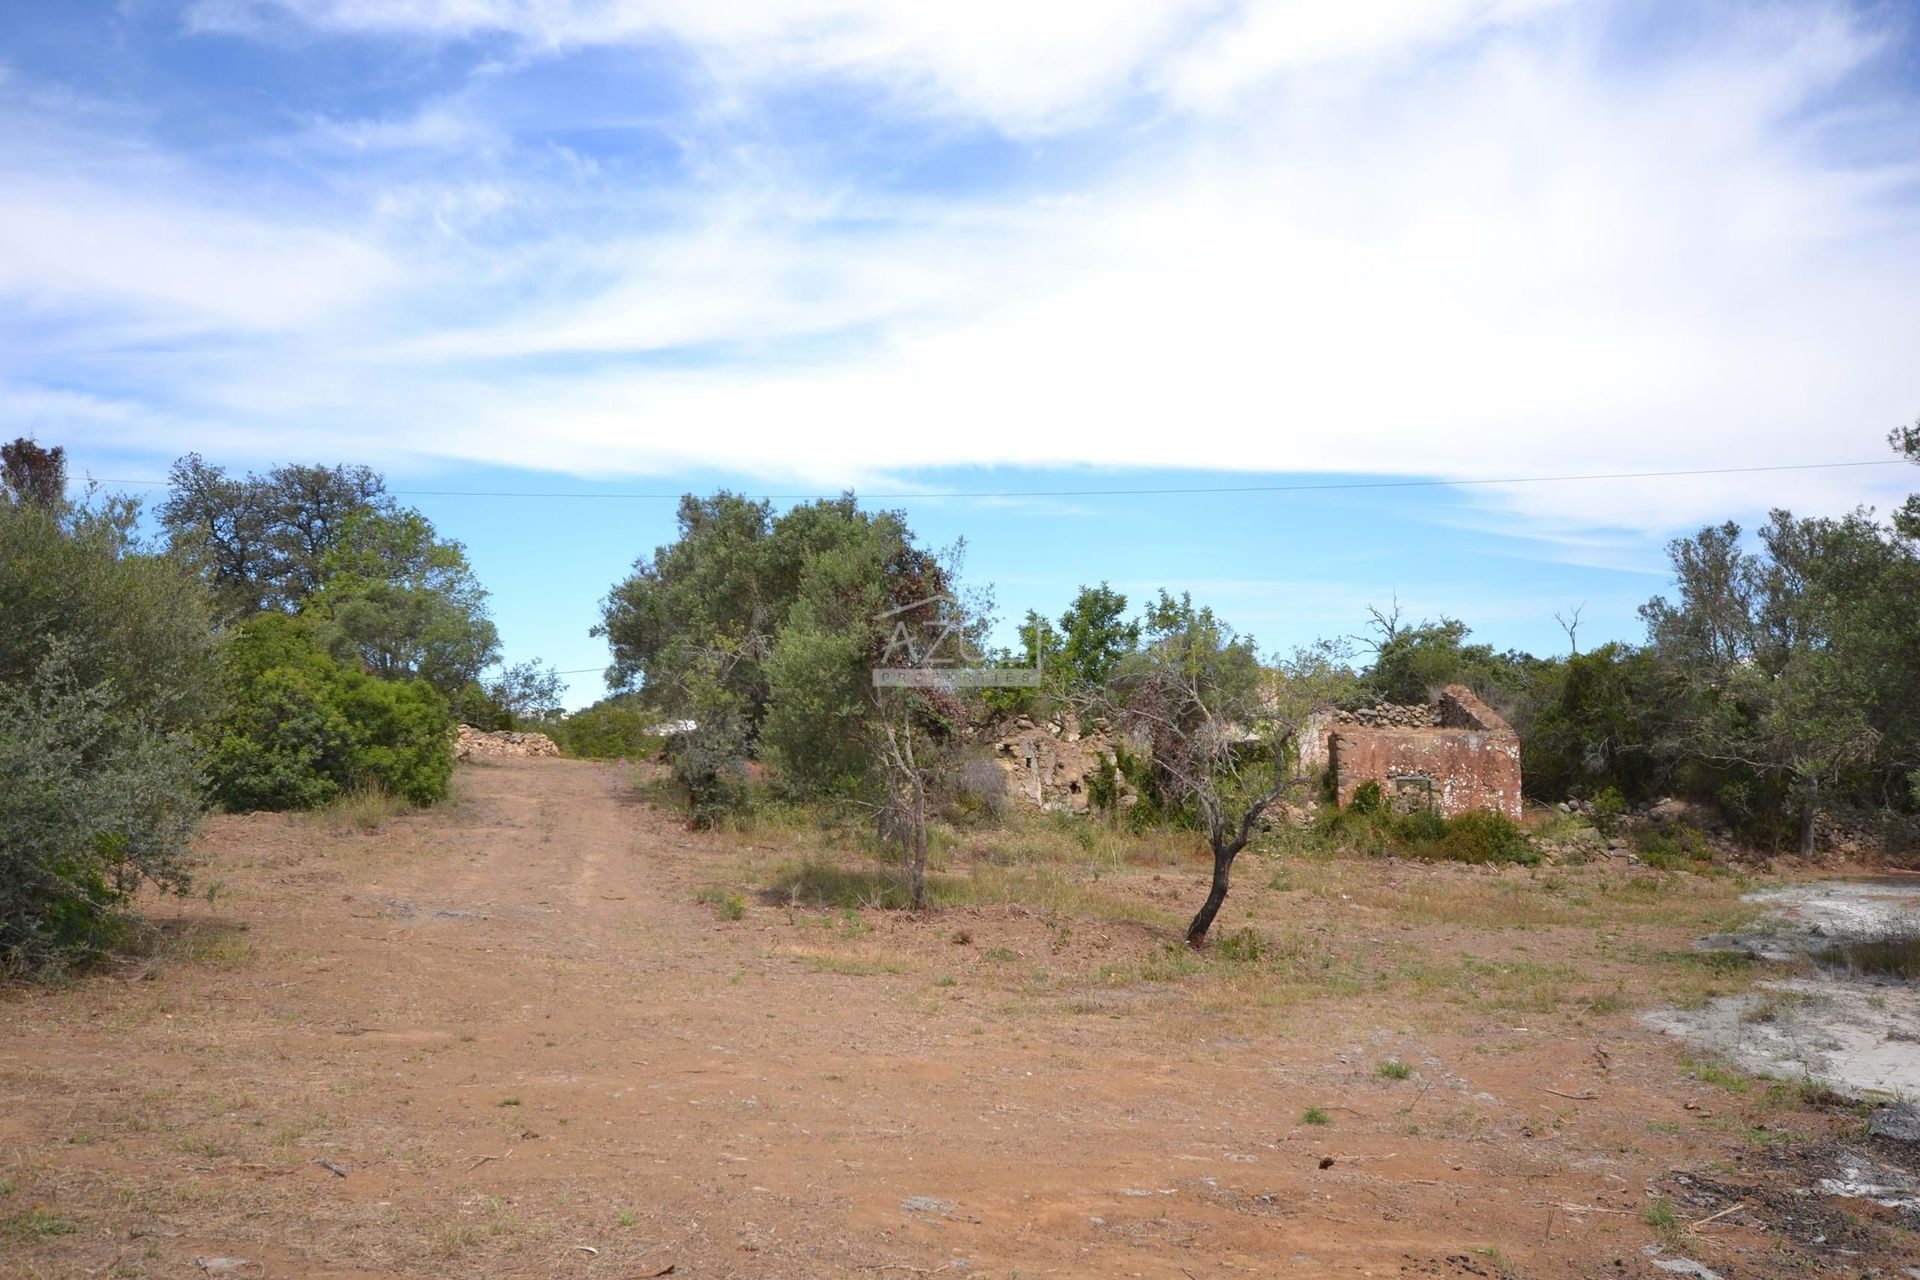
x: 301, y: 728
x: 403, y: 604
x: 384, y: 592
x: 107, y: 658
x: 762, y: 631
x: 619, y: 727
x: 263, y: 541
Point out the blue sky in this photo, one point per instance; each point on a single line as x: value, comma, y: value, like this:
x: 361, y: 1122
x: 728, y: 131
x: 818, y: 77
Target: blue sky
x: 797, y: 245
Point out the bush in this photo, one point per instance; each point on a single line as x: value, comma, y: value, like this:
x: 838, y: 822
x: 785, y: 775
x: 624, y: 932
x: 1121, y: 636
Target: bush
x: 1676, y: 846
x: 973, y: 790
x: 91, y: 804
x: 1478, y: 835
x: 1104, y: 791
x: 618, y: 727
x: 106, y: 659
x: 1368, y: 798
x: 710, y: 759
x: 134, y: 627
x: 1608, y: 808
x: 301, y: 729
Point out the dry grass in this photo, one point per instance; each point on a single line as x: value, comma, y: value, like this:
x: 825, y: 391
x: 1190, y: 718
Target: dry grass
x: 1045, y: 1013
x: 1440, y: 942
x: 363, y: 809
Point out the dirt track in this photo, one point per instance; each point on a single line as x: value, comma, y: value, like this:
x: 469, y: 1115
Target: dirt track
x: 531, y: 1053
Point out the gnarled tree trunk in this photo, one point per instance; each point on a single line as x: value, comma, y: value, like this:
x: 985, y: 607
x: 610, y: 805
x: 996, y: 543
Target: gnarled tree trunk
x: 1216, y: 896
x: 1226, y: 847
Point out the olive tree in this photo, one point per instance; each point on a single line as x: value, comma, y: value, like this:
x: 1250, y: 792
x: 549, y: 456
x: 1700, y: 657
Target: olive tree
x: 1224, y: 730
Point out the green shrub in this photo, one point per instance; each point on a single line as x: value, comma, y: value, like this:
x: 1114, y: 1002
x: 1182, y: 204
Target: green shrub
x: 726, y: 904
x: 1673, y: 847
x: 136, y: 627
x: 1105, y: 787
x: 1242, y: 946
x: 1608, y: 808
x: 301, y: 729
x: 614, y: 728
x: 1477, y: 835
x: 1368, y: 798
x: 106, y: 661
x: 91, y: 805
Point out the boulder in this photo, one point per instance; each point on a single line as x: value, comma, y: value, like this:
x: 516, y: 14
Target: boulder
x: 1900, y: 1121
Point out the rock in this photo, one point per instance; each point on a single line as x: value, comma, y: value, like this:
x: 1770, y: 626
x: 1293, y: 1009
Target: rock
x: 1900, y: 1121
x: 1054, y: 767
x: 1679, y: 1266
x: 471, y: 744
x: 925, y: 1204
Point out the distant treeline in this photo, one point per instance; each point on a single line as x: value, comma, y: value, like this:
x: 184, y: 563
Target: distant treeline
x: 1779, y: 677
x: 299, y: 635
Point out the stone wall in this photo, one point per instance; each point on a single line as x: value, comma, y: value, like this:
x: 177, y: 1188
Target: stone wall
x: 470, y: 743
x: 1052, y: 766
x: 1456, y: 755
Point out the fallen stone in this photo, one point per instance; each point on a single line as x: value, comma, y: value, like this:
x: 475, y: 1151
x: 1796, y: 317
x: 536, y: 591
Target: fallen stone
x: 925, y: 1204
x: 1900, y: 1122
x: 1679, y: 1266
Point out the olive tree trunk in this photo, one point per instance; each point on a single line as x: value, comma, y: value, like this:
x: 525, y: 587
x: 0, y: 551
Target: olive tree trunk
x: 1226, y: 843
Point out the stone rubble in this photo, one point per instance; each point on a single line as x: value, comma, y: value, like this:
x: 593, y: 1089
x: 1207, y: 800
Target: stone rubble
x: 1052, y: 765
x: 478, y: 744
x: 1387, y: 715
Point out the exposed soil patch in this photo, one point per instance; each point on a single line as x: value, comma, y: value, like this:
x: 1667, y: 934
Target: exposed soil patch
x: 1850, y: 1018
x: 506, y: 1039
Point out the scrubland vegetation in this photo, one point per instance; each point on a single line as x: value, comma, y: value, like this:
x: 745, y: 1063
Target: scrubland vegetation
x: 820, y: 887
x: 287, y: 642
x: 293, y: 638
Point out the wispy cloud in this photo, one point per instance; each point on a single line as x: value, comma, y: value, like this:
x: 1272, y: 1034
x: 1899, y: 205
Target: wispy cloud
x: 1459, y: 238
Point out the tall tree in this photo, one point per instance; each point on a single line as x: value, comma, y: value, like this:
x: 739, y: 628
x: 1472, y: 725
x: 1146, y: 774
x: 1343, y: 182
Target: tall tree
x: 1801, y: 663
x: 263, y: 541
x: 31, y: 474
x: 404, y: 603
x: 711, y: 598
x: 1094, y: 636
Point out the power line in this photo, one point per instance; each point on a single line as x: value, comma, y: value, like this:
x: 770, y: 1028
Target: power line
x: 1170, y: 491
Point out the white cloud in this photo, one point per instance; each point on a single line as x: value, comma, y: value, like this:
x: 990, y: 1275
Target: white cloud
x: 1020, y: 64
x: 121, y: 238
x: 1026, y: 67
x: 1331, y: 252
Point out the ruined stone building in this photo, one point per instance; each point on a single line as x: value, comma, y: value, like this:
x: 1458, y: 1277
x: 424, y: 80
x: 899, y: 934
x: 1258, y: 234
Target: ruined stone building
x: 1052, y: 766
x: 1452, y: 755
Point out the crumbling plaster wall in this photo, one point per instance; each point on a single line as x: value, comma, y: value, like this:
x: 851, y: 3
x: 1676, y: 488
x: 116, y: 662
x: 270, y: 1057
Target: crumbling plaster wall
x: 1464, y: 757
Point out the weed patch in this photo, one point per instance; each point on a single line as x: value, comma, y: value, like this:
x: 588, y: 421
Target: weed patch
x: 37, y: 1222
x: 726, y: 904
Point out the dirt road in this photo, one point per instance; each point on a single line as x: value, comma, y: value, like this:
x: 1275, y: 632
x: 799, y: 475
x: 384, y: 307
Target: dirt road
x: 504, y: 1040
